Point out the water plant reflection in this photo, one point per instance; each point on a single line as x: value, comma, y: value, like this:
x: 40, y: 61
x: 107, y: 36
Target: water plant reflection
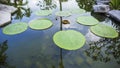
x: 22, y: 11
x: 86, y: 4
x: 3, y: 56
x: 46, y: 4
x: 104, y: 50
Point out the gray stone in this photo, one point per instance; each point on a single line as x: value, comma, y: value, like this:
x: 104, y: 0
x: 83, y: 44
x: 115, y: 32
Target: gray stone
x: 101, y: 8
x: 7, y: 8
x: 5, y: 18
x: 115, y: 14
x: 102, y: 2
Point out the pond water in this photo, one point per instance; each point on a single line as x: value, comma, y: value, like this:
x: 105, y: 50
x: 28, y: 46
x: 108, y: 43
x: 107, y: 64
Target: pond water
x: 36, y: 49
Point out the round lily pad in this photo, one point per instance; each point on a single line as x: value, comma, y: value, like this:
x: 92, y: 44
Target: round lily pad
x: 43, y: 12
x: 104, y: 31
x: 63, y: 13
x: 39, y: 24
x: 87, y: 20
x: 69, y: 39
x: 16, y: 28
x: 77, y: 11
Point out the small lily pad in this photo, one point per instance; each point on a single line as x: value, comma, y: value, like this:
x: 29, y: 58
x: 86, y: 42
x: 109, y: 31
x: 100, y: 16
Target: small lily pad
x: 77, y: 11
x: 39, y: 24
x: 63, y: 13
x: 104, y: 31
x: 69, y: 39
x: 87, y: 20
x: 16, y: 28
x: 43, y: 12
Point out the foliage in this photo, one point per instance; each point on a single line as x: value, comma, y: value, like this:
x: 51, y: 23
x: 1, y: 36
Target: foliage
x: 104, y: 31
x: 43, y: 12
x: 16, y: 28
x: 63, y: 13
x: 39, y: 24
x: 69, y: 39
x: 115, y: 4
x: 87, y: 20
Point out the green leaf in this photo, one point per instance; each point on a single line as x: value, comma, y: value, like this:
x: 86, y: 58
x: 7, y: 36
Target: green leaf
x: 69, y: 39
x: 104, y: 31
x: 16, y: 28
x: 63, y: 13
x: 77, y: 11
x: 43, y: 12
x: 87, y: 20
x: 39, y: 24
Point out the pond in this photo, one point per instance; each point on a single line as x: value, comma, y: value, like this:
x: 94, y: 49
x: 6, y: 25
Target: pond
x: 36, y: 48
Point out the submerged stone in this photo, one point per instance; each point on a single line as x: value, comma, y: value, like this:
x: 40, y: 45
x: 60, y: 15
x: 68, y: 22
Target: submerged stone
x: 5, y: 18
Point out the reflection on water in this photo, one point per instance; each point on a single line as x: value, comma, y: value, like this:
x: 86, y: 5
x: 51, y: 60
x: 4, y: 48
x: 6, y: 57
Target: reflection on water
x: 36, y: 49
x: 3, y: 56
x: 86, y: 4
x: 46, y: 4
x: 105, y: 50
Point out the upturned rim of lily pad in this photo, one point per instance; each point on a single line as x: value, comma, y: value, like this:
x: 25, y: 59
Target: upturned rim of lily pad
x: 40, y: 24
x: 43, y: 12
x: 15, y: 28
x: 103, y: 30
x: 87, y: 20
x: 69, y: 39
x: 63, y: 13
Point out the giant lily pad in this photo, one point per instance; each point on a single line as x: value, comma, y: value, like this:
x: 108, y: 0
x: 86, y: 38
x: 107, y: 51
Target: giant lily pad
x: 104, y: 31
x: 43, y: 12
x: 87, y: 20
x: 63, y: 13
x: 69, y: 39
x: 77, y: 11
x: 39, y: 24
x: 16, y: 28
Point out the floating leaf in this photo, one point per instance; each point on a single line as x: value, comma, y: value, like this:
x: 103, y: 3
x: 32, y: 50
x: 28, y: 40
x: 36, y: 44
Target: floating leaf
x: 15, y: 28
x: 39, y: 24
x: 87, y: 20
x: 43, y: 12
x: 104, y: 31
x: 63, y: 13
x: 77, y: 11
x: 70, y: 39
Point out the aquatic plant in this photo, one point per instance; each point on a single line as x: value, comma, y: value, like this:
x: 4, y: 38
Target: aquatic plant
x: 87, y: 20
x: 16, y: 28
x: 115, y: 4
x: 69, y: 39
x: 43, y: 12
x: 104, y: 31
x: 39, y: 24
x: 63, y: 13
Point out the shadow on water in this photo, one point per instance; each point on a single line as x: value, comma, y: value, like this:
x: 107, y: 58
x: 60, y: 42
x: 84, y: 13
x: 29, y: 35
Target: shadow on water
x: 3, y: 56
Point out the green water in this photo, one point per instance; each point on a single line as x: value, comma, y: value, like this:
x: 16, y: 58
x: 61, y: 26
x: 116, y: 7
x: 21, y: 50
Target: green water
x: 36, y: 49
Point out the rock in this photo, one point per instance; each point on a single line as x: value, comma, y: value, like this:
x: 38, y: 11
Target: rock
x: 5, y: 18
x: 99, y: 2
x: 115, y: 14
x: 101, y: 8
x: 7, y: 8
